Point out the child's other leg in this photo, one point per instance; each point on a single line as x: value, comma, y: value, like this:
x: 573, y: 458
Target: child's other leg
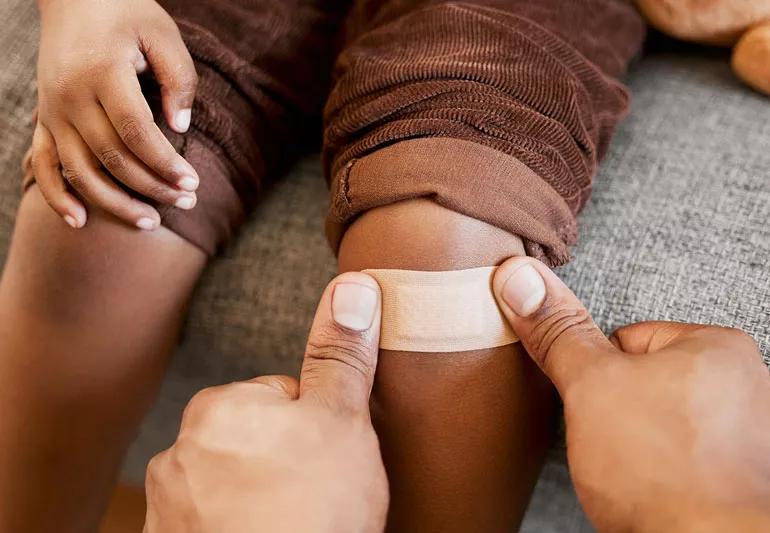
x: 88, y: 317
x: 497, y: 111
x: 87, y: 320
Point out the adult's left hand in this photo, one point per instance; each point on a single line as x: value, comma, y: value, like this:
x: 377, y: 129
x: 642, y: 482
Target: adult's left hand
x: 276, y: 454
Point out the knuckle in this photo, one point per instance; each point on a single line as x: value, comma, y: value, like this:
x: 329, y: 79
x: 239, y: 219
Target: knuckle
x: 739, y: 334
x: 64, y: 90
x: 558, y: 322
x: 75, y: 178
x: 208, y: 406
x: 35, y: 160
x: 132, y: 131
x: 724, y: 333
x: 739, y: 337
x: 331, y: 344
x: 157, y: 471
x: 189, y: 81
x: 155, y: 465
x: 112, y: 159
x: 41, y: 153
x: 202, y: 401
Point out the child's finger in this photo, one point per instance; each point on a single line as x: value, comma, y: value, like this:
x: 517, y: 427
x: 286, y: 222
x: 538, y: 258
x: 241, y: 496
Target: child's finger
x: 81, y: 170
x: 97, y: 131
x: 122, y: 99
x: 45, y: 166
x: 175, y: 71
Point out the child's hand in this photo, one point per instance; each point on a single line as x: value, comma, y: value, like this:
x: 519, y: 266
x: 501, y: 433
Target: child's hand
x: 93, y: 115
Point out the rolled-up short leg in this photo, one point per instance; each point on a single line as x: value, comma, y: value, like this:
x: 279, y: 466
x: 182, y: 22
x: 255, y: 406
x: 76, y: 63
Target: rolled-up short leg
x: 497, y: 109
x: 463, y: 433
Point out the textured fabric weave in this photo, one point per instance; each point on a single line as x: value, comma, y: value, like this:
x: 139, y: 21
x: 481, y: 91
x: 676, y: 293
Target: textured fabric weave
x: 535, y: 80
x: 676, y: 229
x: 526, y: 85
x: 264, y: 70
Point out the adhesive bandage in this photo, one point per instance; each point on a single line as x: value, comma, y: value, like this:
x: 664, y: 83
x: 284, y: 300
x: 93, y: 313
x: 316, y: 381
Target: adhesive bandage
x: 450, y: 311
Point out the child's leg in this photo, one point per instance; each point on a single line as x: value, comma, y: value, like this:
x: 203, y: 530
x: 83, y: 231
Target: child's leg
x: 495, y: 111
x: 87, y: 320
x: 463, y: 434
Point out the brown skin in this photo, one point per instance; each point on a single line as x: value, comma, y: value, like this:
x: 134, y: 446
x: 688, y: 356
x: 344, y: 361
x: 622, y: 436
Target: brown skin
x: 87, y: 320
x: 126, y: 511
x: 93, y: 118
x: 463, y: 435
x: 667, y: 426
x: 281, y: 455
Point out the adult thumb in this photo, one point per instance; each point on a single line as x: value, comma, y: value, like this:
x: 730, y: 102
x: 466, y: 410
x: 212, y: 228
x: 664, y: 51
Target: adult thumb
x: 552, y: 324
x: 341, y: 353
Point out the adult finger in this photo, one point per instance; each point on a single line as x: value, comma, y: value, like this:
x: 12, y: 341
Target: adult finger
x: 341, y: 354
x: 552, y: 324
x: 653, y: 336
x: 650, y: 336
x: 81, y: 170
x: 285, y: 386
x: 175, y: 72
x: 47, y: 172
x: 126, y: 107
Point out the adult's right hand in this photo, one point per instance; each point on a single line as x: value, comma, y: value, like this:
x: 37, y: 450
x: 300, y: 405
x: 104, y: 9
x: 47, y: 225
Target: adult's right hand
x: 668, y: 424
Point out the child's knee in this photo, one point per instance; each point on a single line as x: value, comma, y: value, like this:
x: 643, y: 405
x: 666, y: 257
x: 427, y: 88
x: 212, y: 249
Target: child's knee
x: 422, y: 235
x: 105, y: 267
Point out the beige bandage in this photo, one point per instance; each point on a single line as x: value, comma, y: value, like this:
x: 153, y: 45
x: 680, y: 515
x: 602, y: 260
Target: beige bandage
x: 450, y: 311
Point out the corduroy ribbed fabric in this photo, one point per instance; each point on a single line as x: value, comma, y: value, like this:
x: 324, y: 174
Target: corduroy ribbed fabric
x: 264, y: 68
x: 536, y: 81
x: 497, y: 109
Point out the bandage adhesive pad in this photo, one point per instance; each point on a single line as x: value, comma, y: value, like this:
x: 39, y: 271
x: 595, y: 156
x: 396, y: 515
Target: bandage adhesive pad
x: 449, y: 311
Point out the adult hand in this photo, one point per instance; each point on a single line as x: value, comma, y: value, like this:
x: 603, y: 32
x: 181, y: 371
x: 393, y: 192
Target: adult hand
x: 93, y: 115
x: 668, y: 424
x: 274, y: 454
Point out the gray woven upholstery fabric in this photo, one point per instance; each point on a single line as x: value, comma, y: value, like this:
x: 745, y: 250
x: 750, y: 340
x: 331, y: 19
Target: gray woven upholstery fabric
x: 677, y: 229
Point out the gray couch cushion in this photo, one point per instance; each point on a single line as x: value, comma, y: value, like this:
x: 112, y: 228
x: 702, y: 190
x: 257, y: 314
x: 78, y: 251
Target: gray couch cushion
x: 676, y: 229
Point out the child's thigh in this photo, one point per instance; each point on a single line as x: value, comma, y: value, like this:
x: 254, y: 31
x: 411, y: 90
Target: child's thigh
x: 463, y: 433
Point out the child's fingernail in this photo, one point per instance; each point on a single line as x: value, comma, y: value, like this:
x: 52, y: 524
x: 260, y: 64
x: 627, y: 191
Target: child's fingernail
x: 354, y: 305
x: 186, y: 201
x: 182, y: 120
x: 69, y: 219
x: 188, y: 183
x: 524, y: 290
x: 146, y: 223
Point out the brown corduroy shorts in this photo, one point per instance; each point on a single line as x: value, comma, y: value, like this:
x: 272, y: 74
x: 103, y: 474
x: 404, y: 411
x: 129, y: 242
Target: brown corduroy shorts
x: 498, y: 109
